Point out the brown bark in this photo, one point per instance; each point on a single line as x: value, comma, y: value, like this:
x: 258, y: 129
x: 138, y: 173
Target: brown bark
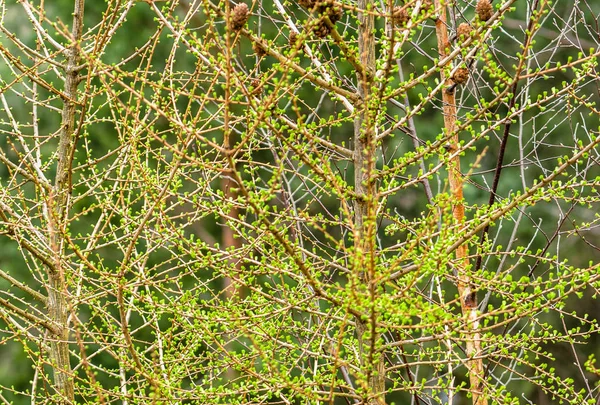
x: 228, y: 183
x: 365, y: 204
x: 468, y: 298
x: 59, y: 201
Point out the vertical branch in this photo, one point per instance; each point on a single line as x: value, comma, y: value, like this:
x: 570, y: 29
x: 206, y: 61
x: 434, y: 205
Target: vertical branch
x: 468, y: 298
x: 227, y: 183
x: 58, y: 300
x: 236, y: 19
x: 365, y: 205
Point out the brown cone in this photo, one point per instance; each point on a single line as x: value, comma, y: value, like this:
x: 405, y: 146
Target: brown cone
x: 321, y: 29
x: 463, y: 32
x: 259, y: 50
x: 484, y: 10
x: 293, y: 40
x: 239, y: 16
x: 400, y: 16
x: 426, y: 5
x: 308, y: 4
x: 256, y: 87
x: 332, y: 9
x: 461, y: 76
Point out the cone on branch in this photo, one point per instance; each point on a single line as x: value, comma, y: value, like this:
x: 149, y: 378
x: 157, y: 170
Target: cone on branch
x: 257, y: 87
x: 307, y: 4
x: 460, y: 76
x: 321, y: 29
x: 484, y: 10
x: 426, y: 5
x: 293, y: 40
x: 331, y: 9
x: 259, y: 49
x: 400, y: 16
x: 463, y: 32
x: 239, y: 16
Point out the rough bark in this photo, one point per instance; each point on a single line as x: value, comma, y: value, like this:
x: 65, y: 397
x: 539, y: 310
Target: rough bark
x: 468, y: 297
x: 365, y: 205
x: 59, y: 201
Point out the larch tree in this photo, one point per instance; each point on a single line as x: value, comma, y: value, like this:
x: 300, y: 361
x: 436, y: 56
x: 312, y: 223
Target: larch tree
x: 312, y: 201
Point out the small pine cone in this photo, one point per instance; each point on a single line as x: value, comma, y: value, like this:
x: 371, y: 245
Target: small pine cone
x: 324, y: 6
x: 484, y: 10
x: 332, y: 9
x: 293, y: 40
x: 335, y: 13
x: 259, y: 49
x: 321, y: 29
x: 257, y: 88
x: 239, y: 16
x: 400, y: 16
x: 461, y: 76
x: 308, y: 4
x: 426, y: 5
x: 463, y: 32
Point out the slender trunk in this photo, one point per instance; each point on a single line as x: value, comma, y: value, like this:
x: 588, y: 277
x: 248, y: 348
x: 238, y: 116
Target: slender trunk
x: 228, y: 184
x: 58, y: 299
x: 468, y: 297
x: 364, y: 216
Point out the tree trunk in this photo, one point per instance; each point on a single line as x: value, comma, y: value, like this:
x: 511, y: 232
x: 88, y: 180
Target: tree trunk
x: 59, y: 201
x: 468, y: 297
x: 365, y: 207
